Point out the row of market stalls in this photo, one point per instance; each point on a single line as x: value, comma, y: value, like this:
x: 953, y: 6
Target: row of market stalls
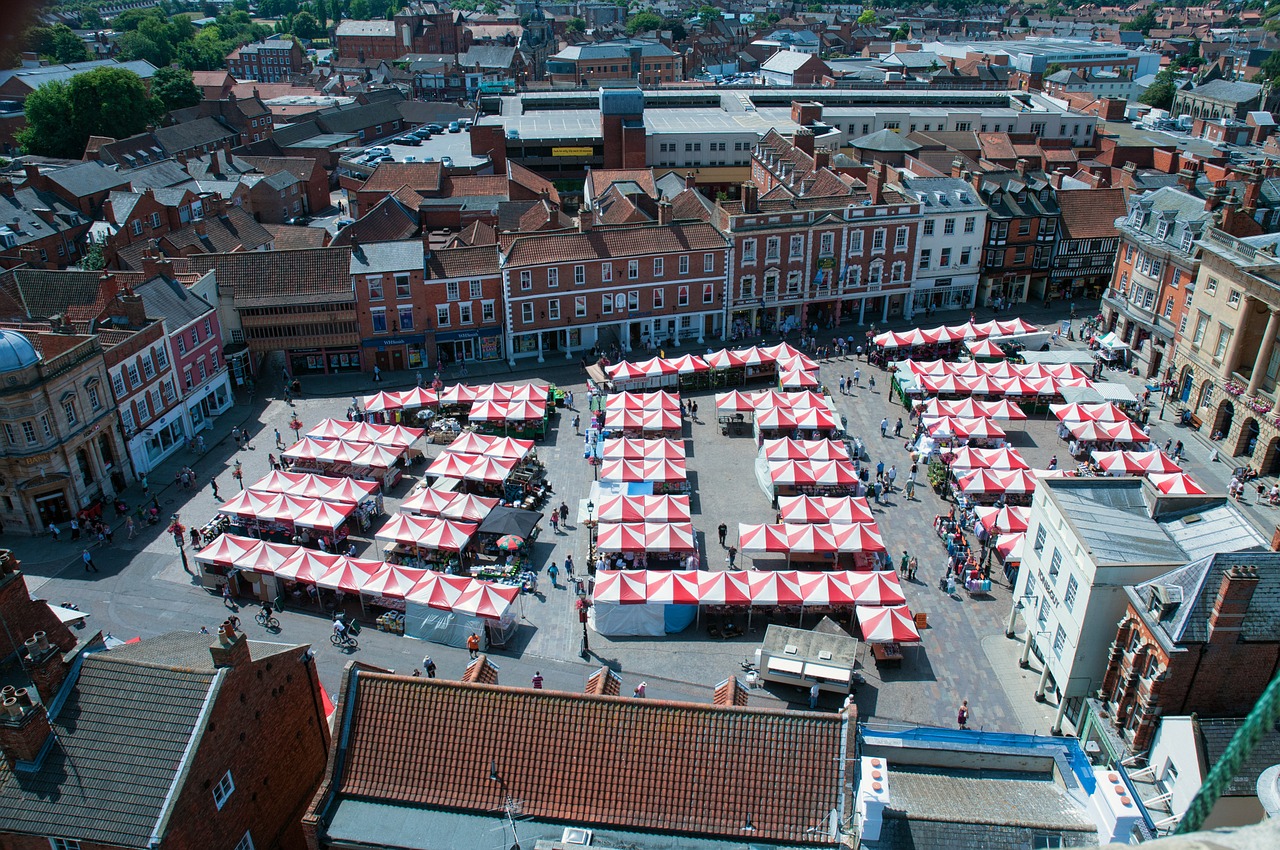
x: 782, y: 363
x: 980, y: 339
x: 1097, y: 427
x: 299, y: 575
x: 360, y: 450
x: 774, y: 415
x: 516, y: 410
x: 642, y: 531
x: 652, y: 415
x: 652, y: 603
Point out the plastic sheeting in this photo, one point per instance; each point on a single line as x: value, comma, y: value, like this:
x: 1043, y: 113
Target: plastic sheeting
x: 646, y: 620
x: 444, y: 627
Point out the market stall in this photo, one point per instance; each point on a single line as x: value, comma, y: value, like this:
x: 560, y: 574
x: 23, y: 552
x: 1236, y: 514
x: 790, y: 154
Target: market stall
x: 809, y: 478
x: 668, y: 476
x: 1176, y: 484
x: 448, y: 609
x: 845, y: 510
x: 789, y: 449
x: 630, y: 509
x: 647, y: 545
x: 456, y: 505
x: 428, y: 543
x: 1134, y: 463
x: 843, y: 546
x: 1087, y: 437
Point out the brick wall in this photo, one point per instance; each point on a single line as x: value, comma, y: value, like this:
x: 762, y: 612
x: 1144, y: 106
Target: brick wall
x: 25, y: 616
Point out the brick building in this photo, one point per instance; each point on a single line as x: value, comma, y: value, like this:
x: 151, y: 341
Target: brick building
x: 1156, y: 265
x: 167, y: 743
x: 1022, y: 226
x: 811, y: 244
x: 272, y: 60
x: 623, y: 775
x: 637, y: 286
x: 39, y: 228
x: 1197, y: 640
x: 643, y: 62
x: 418, y: 28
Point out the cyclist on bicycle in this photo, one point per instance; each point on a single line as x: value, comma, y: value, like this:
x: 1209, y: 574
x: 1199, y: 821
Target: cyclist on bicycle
x: 267, y: 611
x: 340, y: 629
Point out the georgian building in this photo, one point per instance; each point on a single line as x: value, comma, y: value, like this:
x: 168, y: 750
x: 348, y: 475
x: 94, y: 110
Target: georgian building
x: 1156, y: 267
x: 636, y: 286
x: 949, y: 249
x: 1227, y: 359
x: 811, y: 245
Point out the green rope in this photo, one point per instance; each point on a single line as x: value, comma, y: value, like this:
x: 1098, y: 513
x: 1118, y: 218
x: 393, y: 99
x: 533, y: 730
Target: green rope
x: 1261, y: 720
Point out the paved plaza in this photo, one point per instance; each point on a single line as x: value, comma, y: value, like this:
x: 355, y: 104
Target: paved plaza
x: 143, y: 588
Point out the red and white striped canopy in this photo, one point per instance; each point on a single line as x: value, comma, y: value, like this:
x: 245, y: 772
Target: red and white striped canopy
x: 887, y: 625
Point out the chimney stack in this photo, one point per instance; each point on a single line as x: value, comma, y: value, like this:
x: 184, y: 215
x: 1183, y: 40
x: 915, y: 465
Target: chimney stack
x: 585, y: 222
x: 1213, y: 197
x: 157, y: 265
x: 24, y: 727
x: 1187, y: 179
x: 1232, y: 603
x: 231, y: 648
x: 1021, y: 167
x: 6, y: 188
x: 750, y: 198
x: 957, y: 167
x: 1252, y: 193
x: 45, y: 665
x: 664, y: 212
x: 875, y: 183
x: 803, y: 140
x: 135, y: 312
x: 690, y: 180
x: 821, y: 159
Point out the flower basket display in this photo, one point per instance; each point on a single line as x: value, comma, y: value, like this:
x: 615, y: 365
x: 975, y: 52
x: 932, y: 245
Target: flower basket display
x: 1260, y: 405
x: 1234, y: 389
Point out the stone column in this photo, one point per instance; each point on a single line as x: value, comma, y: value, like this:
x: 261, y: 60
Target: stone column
x: 1044, y: 682
x: 541, y: 359
x: 1264, y: 353
x: 884, y: 316
x: 862, y: 310
x: 1057, y: 718
x: 1229, y: 360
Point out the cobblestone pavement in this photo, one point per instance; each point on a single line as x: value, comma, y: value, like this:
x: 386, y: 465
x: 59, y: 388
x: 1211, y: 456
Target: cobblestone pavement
x: 143, y: 588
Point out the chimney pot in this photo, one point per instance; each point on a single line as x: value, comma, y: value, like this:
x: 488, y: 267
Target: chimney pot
x: 12, y: 708
x: 23, y: 696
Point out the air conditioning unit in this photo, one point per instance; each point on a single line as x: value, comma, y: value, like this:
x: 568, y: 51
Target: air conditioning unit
x: 576, y: 836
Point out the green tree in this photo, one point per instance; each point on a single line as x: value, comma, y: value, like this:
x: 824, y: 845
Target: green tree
x: 93, y: 258
x: 902, y: 33
x: 1143, y: 23
x: 676, y: 26
x: 135, y: 45
x: 1270, y: 68
x: 61, y: 116
x: 706, y: 14
x: 1052, y: 68
x: 576, y: 25
x: 359, y: 9
x: 814, y: 7
x: 1023, y: 22
x: 57, y: 42
x: 643, y: 22
x: 867, y: 18
x: 305, y: 25
x: 174, y: 88
x: 91, y: 19
x: 1160, y: 93
x: 204, y: 52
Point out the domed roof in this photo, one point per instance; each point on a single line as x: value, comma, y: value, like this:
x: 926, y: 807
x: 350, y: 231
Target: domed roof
x: 16, y: 352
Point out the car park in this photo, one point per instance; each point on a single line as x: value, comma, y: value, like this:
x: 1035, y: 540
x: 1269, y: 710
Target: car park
x: 435, y: 128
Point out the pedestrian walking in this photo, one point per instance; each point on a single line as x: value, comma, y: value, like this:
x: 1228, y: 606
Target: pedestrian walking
x: 842, y: 385
x: 871, y: 383
x: 962, y: 716
x: 564, y: 513
x: 879, y: 469
x: 893, y: 476
x: 814, y: 693
x: 568, y: 400
x: 226, y: 596
x: 75, y: 529
x: 568, y: 567
x: 429, y: 665
x: 723, y: 531
x: 904, y: 563
x: 473, y: 644
x: 130, y: 527
x: 537, y: 680
x: 54, y: 531
x: 377, y: 374
x: 884, y: 427
x: 897, y: 429
x: 279, y: 440
x: 733, y: 553
x: 146, y: 488
x: 857, y: 373
x: 639, y: 691
x: 577, y: 423
x: 911, y: 489
x: 553, y: 573
x: 912, y: 566
x: 213, y: 482
x: 89, y: 566
x: 555, y: 521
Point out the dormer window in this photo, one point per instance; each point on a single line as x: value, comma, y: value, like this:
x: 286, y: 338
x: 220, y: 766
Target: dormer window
x: 1187, y: 240
x: 1162, y: 230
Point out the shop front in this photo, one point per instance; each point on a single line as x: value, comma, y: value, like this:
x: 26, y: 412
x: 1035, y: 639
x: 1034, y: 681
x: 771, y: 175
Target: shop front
x: 323, y: 361
x: 209, y: 401
x: 158, y: 440
x: 396, y: 353
x: 479, y: 344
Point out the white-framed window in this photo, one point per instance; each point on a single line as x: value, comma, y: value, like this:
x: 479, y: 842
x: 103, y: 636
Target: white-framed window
x: 526, y: 280
x: 633, y: 300
x: 579, y: 306
x: 186, y: 378
x: 117, y: 384
x: 405, y: 312
x: 162, y: 356
x: 46, y: 425
x: 526, y: 313
x: 95, y: 403
x: 900, y: 239
x: 487, y: 311
x: 633, y: 269
x: 606, y: 272
x: 708, y: 262
x: 1224, y: 337
x: 182, y: 346
x: 442, y: 315
x: 245, y: 842
x: 796, y: 251
x: 144, y: 411
x: 969, y: 224
x: 926, y: 256
x: 1202, y: 325
x: 200, y: 365
x: 477, y: 290
x: 855, y: 242
x: 29, y: 433
x: 682, y: 296
x: 659, y: 298
x: 136, y: 226
x: 1055, y: 564
x: 553, y: 278
x: 375, y: 288
x: 948, y: 226
x: 402, y: 288
x: 69, y: 409
x: 749, y: 251
x: 826, y: 244
x: 606, y: 304
x: 9, y: 436
x: 64, y: 844
x: 378, y: 318
x: 1233, y: 299
x: 126, y: 416
x: 684, y: 261
x: 148, y: 367
x: 772, y: 248
x: 553, y: 309
x: 1069, y: 598
x: 452, y: 290
x: 579, y: 275
x: 877, y: 239
x: 134, y: 380
x: 1211, y: 285
x: 223, y: 790
x: 167, y: 386
x: 658, y: 265
x: 708, y: 293
x: 464, y: 313
x: 1059, y: 641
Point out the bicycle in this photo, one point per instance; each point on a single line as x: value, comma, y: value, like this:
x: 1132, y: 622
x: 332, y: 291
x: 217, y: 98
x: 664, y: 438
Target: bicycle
x: 344, y: 641
x: 267, y: 622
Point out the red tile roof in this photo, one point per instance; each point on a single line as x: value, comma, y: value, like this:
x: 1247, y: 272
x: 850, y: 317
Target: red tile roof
x: 1090, y: 213
x: 482, y: 671
x: 389, y: 176
x: 532, y: 181
x: 667, y: 767
x: 604, y: 682
x: 275, y: 278
x: 613, y: 242
x: 471, y: 261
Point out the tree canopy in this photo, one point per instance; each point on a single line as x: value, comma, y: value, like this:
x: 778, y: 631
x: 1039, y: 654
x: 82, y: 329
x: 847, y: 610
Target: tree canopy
x: 575, y: 25
x: 1142, y: 23
x: 1160, y: 93
x: 643, y: 22
x: 174, y: 88
x: 867, y: 18
x: 57, y: 42
x: 62, y: 115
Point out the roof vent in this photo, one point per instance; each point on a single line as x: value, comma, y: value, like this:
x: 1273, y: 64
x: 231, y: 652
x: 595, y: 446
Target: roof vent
x: 576, y: 836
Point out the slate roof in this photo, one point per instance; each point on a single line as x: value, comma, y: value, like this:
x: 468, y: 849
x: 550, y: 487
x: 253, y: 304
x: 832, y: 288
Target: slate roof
x: 1090, y: 213
x: 194, y: 134
x: 87, y: 178
x: 122, y: 736
x: 1226, y: 91
x: 666, y: 767
x: 379, y: 257
x: 991, y: 797
x: 166, y: 298
x: 488, y: 56
x: 467, y: 261
x: 30, y: 227
x: 388, y: 221
x: 1179, y: 210
x: 1113, y: 521
x: 615, y: 49
x: 273, y: 278
x: 1199, y: 582
x: 885, y: 140
x: 1214, y: 736
x: 613, y: 242
x: 786, y: 61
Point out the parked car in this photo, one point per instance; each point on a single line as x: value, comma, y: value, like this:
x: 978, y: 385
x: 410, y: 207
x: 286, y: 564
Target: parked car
x: 435, y: 128
x: 298, y: 220
x: 446, y: 161
x: 411, y: 141
x: 455, y: 127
